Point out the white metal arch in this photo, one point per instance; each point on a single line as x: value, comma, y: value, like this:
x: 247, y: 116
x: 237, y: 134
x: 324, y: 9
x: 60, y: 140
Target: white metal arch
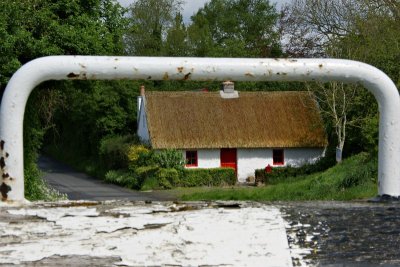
x: 203, y: 69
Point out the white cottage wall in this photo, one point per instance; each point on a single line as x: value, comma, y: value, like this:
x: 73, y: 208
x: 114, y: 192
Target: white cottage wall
x: 206, y: 158
x: 249, y: 160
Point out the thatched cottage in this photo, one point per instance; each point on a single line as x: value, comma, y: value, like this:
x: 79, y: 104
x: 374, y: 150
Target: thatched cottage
x: 242, y: 130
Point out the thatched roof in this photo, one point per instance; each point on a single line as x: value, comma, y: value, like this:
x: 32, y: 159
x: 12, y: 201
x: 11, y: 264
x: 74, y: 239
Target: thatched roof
x: 254, y: 120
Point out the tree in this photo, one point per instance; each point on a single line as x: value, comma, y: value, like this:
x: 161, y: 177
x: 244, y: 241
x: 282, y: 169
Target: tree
x: 309, y: 26
x: 35, y: 28
x: 237, y: 28
x: 149, y: 21
x: 176, y: 43
x: 335, y: 99
x: 364, y: 30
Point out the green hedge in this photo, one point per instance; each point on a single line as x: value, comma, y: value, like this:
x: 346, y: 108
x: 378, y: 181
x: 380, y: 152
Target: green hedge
x: 153, y: 177
x: 279, y: 174
x: 208, y: 177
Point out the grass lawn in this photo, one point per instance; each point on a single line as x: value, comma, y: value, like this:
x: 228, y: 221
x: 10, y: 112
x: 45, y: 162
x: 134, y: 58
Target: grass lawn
x: 354, y: 178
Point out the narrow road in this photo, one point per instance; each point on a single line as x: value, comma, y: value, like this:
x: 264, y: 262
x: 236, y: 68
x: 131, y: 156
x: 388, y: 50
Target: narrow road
x: 79, y: 186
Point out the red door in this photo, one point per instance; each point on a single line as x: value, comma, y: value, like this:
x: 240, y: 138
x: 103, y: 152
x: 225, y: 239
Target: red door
x: 229, y: 158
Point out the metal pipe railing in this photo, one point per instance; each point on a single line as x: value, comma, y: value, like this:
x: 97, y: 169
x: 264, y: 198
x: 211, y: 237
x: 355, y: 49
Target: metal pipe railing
x: 202, y: 69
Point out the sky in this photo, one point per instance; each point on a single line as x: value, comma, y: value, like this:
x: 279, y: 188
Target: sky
x: 191, y: 6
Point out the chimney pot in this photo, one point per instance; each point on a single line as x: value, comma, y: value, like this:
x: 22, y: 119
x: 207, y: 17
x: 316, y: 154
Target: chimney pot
x: 228, y: 87
x: 228, y: 90
x: 142, y: 91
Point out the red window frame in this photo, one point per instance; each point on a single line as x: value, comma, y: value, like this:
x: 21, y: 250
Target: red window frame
x: 278, y: 157
x: 191, y: 158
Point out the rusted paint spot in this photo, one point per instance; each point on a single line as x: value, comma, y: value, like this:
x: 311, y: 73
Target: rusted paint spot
x: 116, y: 59
x: 320, y: 66
x: 149, y: 78
x: 2, y: 144
x: 180, y: 69
x: 166, y: 76
x: 187, y: 76
x: 72, y: 75
x: 249, y: 74
x: 5, y: 175
x: 7, y: 155
x: 2, y: 163
x: 4, y: 189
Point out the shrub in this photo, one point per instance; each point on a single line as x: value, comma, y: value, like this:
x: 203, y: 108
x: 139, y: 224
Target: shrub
x: 113, y: 151
x: 122, y: 177
x: 279, y: 174
x: 196, y: 177
x: 363, y: 173
x: 208, y: 177
x: 137, y: 155
x: 144, y: 173
x: 168, y: 178
x: 36, y: 188
x: 261, y: 177
x: 150, y: 183
x: 169, y: 158
x: 223, y: 176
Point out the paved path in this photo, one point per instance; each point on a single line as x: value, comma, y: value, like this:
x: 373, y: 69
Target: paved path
x: 79, y: 186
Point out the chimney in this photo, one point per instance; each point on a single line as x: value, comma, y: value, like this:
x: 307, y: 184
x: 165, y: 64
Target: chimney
x: 140, y: 100
x: 142, y: 90
x: 228, y: 90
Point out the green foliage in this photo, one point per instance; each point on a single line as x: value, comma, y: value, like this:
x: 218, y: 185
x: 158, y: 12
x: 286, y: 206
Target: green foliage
x: 235, y: 28
x: 280, y: 174
x: 366, y: 172
x: 149, y: 21
x: 208, y: 177
x: 114, y: 151
x: 196, y: 177
x: 144, y: 173
x: 31, y: 29
x: 123, y: 178
x: 176, y: 43
x: 36, y: 188
x: 138, y: 155
x: 168, y: 178
x: 150, y: 183
x: 169, y: 158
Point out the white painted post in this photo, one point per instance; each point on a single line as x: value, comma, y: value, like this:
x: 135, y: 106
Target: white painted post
x: 203, y: 69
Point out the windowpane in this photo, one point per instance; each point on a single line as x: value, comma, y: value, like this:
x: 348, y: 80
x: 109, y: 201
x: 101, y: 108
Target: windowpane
x: 278, y: 157
x: 191, y: 158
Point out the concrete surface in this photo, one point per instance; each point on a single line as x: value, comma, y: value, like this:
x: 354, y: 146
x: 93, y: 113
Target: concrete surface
x: 140, y: 234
